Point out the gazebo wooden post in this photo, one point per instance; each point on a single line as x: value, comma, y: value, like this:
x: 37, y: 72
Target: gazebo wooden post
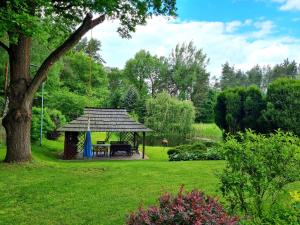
x: 134, y: 141
x: 70, y: 148
x: 144, y: 136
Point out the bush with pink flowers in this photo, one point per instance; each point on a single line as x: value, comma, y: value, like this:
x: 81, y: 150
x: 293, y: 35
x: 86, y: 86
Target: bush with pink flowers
x: 193, y: 208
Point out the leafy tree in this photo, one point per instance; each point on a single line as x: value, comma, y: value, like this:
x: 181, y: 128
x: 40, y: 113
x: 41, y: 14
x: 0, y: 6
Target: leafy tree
x: 228, y: 76
x: 69, y: 103
x: 143, y: 71
x: 255, y: 76
x: 91, y: 48
x: 258, y: 168
x: 206, y: 114
x: 187, y: 68
x: 116, y: 86
x: 131, y: 99
x: 84, y: 77
x: 168, y: 115
x: 22, y: 21
x: 285, y: 69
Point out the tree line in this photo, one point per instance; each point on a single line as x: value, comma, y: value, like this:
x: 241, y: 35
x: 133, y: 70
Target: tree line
x: 81, y: 79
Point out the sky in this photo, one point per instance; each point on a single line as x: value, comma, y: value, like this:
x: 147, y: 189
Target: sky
x: 242, y: 32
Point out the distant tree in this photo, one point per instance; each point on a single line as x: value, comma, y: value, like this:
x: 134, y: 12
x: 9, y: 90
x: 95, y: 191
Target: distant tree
x: 168, y: 115
x: 144, y: 72
x: 255, y: 76
x: 117, y: 87
x: 131, y: 99
x: 187, y: 72
x: 228, y: 76
x: 85, y: 77
x: 285, y: 69
x: 206, y: 114
x: 23, y: 20
x: 240, y: 79
x: 91, y: 48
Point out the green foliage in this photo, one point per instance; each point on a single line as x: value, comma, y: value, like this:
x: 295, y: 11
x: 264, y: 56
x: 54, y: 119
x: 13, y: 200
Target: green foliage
x: 168, y: 115
x: 90, y: 48
x: 188, y: 76
x: 206, y: 113
x: 280, y: 214
x: 46, y: 15
x: 283, y: 110
x: 58, y: 120
x: 131, y: 99
x: 196, y: 151
x: 48, y: 124
x: 258, y: 76
x: 239, y: 109
x: 85, y: 77
x: 144, y: 72
x: 258, y: 168
x: 69, y: 103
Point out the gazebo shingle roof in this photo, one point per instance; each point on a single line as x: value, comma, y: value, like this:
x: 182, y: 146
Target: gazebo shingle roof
x: 105, y: 120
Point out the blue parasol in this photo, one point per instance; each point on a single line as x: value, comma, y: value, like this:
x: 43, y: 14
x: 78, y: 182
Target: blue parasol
x: 87, y: 152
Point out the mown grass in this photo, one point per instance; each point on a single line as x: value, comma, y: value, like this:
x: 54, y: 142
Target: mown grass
x: 52, y: 191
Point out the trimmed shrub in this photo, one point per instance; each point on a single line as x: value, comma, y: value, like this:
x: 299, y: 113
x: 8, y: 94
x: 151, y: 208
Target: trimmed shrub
x: 185, y: 209
x: 239, y: 109
x: 283, y: 109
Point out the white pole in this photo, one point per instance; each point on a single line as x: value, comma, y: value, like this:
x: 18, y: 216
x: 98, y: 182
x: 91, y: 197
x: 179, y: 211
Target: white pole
x: 42, y: 116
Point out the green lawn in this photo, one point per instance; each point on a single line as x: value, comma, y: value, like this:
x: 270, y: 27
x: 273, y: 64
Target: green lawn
x: 52, y: 191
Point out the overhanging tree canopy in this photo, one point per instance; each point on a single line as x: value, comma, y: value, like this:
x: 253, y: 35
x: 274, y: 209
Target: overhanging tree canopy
x: 22, y: 20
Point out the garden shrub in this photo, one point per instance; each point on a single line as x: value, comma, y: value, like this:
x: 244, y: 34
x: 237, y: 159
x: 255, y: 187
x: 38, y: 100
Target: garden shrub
x: 184, y: 209
x: 238, y: 109
x: 258, y: 168
x: 196, y: 151
x: 58, y: 120
x: 283, y: 109
x: 241, y: 108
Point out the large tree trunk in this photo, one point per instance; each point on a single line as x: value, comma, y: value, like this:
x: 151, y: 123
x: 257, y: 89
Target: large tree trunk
x: 22, y: 88
x: 17, y: 121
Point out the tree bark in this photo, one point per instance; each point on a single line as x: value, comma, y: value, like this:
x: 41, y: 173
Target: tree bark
x: 17, y: 121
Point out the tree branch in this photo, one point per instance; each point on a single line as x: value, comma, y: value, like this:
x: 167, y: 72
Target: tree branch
x: 4, y: 46
x: 87, y: 24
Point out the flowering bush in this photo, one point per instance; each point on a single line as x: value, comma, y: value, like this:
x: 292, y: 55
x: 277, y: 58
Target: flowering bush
x: 193, y: 208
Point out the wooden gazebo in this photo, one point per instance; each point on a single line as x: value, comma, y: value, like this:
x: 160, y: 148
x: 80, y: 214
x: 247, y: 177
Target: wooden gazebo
x: 102, y: 120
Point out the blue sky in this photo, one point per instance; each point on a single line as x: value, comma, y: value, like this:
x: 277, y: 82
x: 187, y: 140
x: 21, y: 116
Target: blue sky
x: 241, y: 32
x: 286, y: 21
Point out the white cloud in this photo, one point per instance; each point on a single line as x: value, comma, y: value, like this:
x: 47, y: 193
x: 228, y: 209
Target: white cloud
x: 220, y: 41
x: 287, y: 5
